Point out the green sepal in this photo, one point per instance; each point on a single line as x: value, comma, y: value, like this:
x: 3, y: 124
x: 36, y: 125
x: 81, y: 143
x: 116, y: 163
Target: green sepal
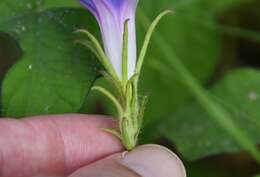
x: 95, y: 45
x: 89, y: 45
x: 113, y: 132
x: 129, y: 134
x: 148, y: 39
x: 115, y: 84
x: 130, y: 92
x: 125, y: 53
x: 141, y: 111
x: 111, y: 97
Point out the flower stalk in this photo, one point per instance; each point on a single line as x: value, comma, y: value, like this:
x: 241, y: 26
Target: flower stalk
x: 118, y: 58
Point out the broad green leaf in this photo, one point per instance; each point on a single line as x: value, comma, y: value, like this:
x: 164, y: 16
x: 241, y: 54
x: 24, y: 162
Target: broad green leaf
x: 61, y: 3
x: 54, y: 74
x: 196, y: 135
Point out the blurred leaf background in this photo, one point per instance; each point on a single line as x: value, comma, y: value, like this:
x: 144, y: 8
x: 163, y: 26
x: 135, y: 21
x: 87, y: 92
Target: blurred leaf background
x: 44, y: 72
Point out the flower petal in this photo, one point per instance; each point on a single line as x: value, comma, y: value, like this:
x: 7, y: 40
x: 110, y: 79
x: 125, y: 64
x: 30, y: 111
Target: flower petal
x: 111, y: 15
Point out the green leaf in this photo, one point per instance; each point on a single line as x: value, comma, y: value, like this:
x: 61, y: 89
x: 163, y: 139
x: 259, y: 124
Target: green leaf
x: 9, y: 52
x: 194, y: 132
x: 61, y: 3
x: 222, y: 5
x: 53, y: 75
x: 196, y: 44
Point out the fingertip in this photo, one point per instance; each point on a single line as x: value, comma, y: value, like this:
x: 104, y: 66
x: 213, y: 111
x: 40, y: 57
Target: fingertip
x: 143, y: 161
x: 154, y: 160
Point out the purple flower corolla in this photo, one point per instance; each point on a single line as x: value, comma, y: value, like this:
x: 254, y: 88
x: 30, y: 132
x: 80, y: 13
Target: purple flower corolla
x: 111, y: 16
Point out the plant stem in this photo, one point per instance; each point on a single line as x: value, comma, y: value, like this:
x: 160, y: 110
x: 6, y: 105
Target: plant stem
x: 130, y: 126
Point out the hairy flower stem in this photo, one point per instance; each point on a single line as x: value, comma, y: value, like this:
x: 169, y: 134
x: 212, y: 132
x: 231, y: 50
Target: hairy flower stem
x: 128, y: 120
x: 129, y: 126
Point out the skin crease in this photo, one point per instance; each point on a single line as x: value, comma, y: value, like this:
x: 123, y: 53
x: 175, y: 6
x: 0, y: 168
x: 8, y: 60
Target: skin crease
x: 53, y: 146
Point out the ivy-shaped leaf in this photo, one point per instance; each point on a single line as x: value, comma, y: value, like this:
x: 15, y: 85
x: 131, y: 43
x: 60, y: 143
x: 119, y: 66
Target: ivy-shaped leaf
x: 53, y: 74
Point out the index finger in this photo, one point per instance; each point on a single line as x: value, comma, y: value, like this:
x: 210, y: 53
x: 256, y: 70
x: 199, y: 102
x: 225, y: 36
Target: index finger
x: 53, y: 145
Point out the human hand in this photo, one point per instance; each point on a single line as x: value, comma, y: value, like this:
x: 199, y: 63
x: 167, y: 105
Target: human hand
x: 76, y: 146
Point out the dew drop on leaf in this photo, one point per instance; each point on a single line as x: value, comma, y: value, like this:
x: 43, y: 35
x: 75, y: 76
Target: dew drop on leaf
x: 30, y: 67
x: 253, y: 96
x: 29, y: 6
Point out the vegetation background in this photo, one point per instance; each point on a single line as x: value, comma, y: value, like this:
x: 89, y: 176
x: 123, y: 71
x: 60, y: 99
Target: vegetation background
x: 42, y: 71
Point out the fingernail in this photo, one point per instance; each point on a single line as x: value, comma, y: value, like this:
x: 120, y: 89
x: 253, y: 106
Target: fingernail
x: 154, y: 160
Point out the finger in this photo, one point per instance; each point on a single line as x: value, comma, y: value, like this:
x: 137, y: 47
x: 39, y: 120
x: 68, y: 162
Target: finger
x: 144, y: 161
x: 53, y: 145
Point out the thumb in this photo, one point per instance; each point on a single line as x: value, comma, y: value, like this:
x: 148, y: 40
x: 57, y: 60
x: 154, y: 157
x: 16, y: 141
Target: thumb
x: 144, y: 161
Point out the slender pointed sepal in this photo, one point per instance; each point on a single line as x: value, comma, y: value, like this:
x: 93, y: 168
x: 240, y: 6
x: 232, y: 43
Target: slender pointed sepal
x: 95, y: 45
x: 115, y: 84
x: 113, y: 132
x: 141, y: 111
x: 129, y: 88
x: 111, y: 97
x: 148, y: 39
x: 89, y: 45
x: 125, y: 53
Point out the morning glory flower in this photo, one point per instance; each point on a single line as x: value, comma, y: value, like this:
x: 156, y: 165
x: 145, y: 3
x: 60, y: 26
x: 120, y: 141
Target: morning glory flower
x: 111, y: 16
x: 116, y: 19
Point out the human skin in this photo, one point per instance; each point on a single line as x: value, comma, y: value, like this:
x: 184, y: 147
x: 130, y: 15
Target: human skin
x: 76, y: 146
